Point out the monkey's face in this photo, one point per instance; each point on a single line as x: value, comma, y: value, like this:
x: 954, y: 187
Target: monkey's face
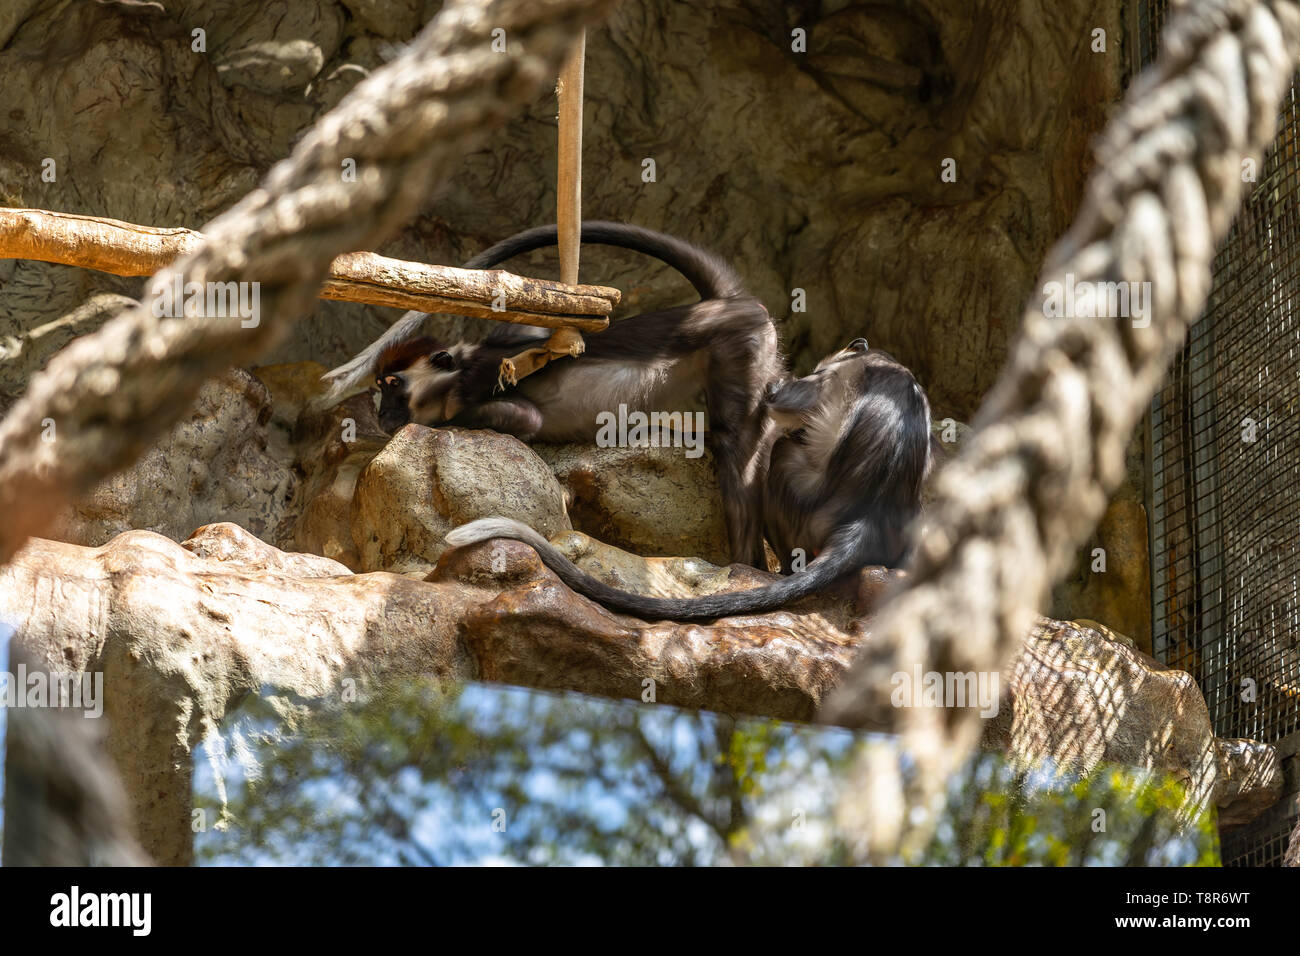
x: 394, y: 412
x: 415, y: 383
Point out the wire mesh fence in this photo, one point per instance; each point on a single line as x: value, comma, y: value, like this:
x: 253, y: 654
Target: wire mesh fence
x: 1224, y: 466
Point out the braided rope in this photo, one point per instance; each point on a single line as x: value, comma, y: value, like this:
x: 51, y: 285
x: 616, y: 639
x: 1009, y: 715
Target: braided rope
x: 1048, y: 449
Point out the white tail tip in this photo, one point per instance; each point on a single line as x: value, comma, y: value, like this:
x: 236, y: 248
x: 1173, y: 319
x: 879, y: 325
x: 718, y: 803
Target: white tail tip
x: 485, y: 529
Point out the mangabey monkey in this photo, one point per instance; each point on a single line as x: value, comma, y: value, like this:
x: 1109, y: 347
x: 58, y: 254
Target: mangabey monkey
x: 724, y: 344
x: 843, y: 484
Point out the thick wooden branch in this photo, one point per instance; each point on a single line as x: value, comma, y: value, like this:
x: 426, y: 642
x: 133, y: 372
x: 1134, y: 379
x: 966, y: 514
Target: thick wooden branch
x: 128, y: 249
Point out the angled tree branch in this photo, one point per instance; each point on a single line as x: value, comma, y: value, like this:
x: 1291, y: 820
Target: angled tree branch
x: 128, y: 249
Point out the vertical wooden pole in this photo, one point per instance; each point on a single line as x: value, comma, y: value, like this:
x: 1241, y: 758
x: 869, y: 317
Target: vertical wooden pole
x: 568, y: 217
x: 568, y: 190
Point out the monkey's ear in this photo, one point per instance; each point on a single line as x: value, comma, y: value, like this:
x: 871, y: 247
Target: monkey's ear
x: 858, y: 345
x: 442, y: 360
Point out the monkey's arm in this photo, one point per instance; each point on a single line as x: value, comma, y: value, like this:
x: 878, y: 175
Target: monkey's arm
x: 510, y: 416
x: 790, y: 403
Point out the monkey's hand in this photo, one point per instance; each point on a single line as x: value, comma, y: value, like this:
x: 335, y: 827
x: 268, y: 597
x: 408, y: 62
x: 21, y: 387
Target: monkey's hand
x: 506, y: 375
x: 789, y: 403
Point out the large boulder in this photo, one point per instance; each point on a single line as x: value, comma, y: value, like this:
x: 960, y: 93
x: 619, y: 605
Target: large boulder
x: 215, y: 465
x: 1076, y: 698
x: 427, y: 481
x: 653, y: 501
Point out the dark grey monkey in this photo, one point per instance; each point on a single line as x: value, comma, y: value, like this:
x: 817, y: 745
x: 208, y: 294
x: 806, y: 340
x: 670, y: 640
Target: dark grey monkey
x: 843, y: 485
x: 724, y: 345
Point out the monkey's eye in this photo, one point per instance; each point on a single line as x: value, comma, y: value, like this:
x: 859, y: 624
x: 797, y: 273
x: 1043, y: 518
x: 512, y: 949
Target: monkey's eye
x: 858, y: 345
x: 442, y: 360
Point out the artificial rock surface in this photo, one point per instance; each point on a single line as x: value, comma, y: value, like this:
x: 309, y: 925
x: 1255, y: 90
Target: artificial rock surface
x: 814, y: 169
x: 184, y: 633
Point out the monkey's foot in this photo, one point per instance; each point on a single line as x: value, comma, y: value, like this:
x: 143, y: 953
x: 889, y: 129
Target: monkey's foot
x: 506, y: 375
x: 522, y: 365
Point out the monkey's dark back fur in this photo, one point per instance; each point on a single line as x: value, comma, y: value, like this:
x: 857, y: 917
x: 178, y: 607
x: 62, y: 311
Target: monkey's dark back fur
x: 843, y: 485
x: 871, y: 488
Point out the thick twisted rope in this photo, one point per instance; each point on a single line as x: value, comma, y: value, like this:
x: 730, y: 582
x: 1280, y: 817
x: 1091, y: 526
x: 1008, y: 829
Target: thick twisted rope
x: 1048, y: 449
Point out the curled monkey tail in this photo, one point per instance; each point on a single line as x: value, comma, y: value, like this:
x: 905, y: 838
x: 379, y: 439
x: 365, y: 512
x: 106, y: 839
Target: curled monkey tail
x: 841, y: 555
x: 712, y: 277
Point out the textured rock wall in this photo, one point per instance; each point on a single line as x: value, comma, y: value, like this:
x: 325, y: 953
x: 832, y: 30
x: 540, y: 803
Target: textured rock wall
x: 814, y: 170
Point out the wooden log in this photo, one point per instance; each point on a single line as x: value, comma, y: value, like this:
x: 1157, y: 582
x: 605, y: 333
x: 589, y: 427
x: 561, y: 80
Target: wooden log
x: 379, y: 280
x: 568, y: 180
x: 565, y: 341
x: 128, y: 249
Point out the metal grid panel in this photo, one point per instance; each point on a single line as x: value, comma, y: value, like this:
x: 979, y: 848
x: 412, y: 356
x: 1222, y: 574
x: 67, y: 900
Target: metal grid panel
x: 1225, y: 474
x: 1260, y: 844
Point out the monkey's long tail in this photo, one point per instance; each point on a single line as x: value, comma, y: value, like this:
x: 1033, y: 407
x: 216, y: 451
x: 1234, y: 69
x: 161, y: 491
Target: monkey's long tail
x: 711, y: 275
x: 839, y: 558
